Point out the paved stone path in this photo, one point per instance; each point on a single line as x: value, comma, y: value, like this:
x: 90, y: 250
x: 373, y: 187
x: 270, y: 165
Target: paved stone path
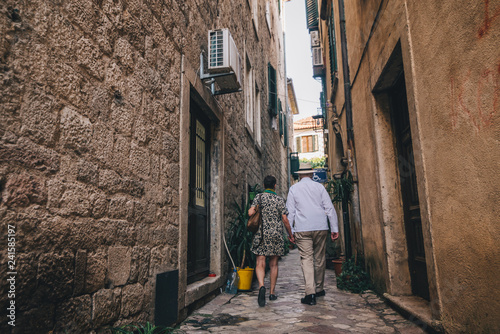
x: 337, y: 312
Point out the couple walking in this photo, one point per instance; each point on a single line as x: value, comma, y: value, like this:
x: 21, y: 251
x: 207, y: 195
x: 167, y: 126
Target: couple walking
x: 304, y: 217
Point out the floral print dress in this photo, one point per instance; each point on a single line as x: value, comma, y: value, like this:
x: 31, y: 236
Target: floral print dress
x: 272, y: 207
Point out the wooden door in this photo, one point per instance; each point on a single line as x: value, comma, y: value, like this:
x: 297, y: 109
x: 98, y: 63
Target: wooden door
x: 409, y: 191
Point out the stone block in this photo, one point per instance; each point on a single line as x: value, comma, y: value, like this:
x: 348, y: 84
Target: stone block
x: 105, y: 306
x: 139, y: 160
x: 118, y: 208
x: 23, y: 190
x: 132, y: 299
x: 90, y: 57
x: 124, y: 52
x: 27, y: 264
x: 99, y: 205
x: 98, y: 104
x: 39, y: 116
x: 102, y: 143
x: 95, y: 275
x: 56, y: 275
x: 172, y: 236
x: 122, y: 114
x: 80, y: 269
x: 171, y: 147
x: 30, y: 155
x: 74, y: 315
x: 158, y: 260
x: 139, y: 265
x: 75, y: 200
x: 76, y: 130
x: 144, y: 212
x: 87, y: 172
x: 118, y: 265
x: 39, y: 319
x: 121, y: 153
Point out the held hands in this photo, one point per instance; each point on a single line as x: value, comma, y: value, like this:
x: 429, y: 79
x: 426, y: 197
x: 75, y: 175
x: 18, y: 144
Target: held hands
x: 292, y: 239
x: 335, y: 236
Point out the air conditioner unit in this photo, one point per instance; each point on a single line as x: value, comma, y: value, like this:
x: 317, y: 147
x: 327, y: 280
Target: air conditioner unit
x: 224, y: 58
x: 317, y: 56
x: 314, y: 38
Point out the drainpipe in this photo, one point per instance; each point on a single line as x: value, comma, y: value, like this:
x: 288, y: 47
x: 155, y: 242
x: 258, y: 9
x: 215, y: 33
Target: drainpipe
x: 350, y: 138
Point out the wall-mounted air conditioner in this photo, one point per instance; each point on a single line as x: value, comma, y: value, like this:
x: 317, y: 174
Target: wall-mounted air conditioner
x: 314, y: 38
x: 224, y: 58
x: 317, y: 56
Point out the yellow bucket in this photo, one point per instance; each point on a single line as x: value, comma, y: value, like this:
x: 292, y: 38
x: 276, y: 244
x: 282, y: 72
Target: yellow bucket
x: 246, y: 276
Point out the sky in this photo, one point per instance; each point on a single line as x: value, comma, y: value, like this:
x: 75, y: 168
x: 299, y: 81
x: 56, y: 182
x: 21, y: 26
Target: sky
x: 299, y: 59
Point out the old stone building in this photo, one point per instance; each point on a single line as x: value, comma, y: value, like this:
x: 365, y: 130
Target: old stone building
x: 412, y: 91
x: 117, y: 161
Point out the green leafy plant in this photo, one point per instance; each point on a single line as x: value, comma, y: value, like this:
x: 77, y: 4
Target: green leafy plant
x: 341, y: 189
x: 143, y: 329
x: 240, y: 239
x: 353, y: 277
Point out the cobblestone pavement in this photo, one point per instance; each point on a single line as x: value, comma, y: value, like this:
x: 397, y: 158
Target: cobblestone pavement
x: 337, y: 312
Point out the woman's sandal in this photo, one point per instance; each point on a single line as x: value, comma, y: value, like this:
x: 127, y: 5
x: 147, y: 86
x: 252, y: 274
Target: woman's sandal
x: 272, y: 297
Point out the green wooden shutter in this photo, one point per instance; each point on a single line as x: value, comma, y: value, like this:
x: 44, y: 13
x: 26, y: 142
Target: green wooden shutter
x: 312, y: 14
x: 285, y: 129
x: 299, y: 148
x: 332, y: 44
x: 280, y: 116
x: 315, y: 143
x: 272, y: 90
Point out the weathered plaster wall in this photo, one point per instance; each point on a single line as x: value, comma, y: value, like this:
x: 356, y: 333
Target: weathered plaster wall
x: 452, y: 69
x: 89, y: 148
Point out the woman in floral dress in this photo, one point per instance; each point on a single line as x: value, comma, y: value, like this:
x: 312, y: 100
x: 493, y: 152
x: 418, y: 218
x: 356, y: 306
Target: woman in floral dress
x: 268, y: 240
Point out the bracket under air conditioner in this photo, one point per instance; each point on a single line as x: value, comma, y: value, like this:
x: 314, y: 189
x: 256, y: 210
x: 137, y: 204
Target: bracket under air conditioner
x: 209, y: 79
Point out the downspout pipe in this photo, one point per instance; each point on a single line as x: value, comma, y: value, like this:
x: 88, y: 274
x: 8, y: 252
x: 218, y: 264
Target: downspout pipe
x: 350, y: 139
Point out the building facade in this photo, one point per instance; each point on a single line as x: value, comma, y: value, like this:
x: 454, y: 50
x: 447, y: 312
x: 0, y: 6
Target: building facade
x: 308, y: 138
x: 411, y: 98
x: 120, y: 164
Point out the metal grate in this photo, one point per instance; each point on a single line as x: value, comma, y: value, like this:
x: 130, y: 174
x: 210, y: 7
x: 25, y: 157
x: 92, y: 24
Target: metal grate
x: 216, y: 48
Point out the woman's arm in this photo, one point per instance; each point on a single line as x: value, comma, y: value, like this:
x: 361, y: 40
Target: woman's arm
x: 251, y: 211
x: 288, y: 228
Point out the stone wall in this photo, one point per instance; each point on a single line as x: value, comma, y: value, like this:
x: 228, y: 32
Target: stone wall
x: 89, y: 149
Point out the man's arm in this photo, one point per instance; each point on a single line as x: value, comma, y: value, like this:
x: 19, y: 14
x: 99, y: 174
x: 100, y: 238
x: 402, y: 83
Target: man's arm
x: 330, y: 212
x: 290, y: 205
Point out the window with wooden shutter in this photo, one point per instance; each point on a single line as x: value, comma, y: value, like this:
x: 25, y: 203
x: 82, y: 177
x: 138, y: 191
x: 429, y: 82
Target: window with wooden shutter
x: 280, y: 116
x: 312, y: 14
x: 297, y: 143
x: 272, y: 87
x: 332, y: 44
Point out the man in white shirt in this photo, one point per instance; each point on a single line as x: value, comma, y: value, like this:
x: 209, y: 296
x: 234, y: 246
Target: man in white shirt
x: 309, y: 205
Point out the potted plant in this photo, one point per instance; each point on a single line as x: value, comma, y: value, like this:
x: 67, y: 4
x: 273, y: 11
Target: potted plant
x: 353, y: 278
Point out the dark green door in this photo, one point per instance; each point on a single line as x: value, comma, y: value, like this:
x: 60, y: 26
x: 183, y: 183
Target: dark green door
x: 198, y: 230
x: 409, y: 191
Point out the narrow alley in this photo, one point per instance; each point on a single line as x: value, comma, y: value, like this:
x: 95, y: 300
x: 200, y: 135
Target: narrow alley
x: 337, y: 312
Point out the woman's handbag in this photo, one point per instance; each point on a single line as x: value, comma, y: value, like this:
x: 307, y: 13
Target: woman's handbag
x: 255, y: 220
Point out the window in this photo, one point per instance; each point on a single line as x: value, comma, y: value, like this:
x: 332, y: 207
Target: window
x: 249, y: 94
x: 272, y: 87
x: 306, y: 144
x: 252, y: 102
x: 255, y: 14
x: 268, y: 15
x: 312, y: 14
x: 332, y: 45
x: 258, y: 135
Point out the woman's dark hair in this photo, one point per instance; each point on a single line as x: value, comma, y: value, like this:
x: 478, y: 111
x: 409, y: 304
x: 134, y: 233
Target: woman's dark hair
x: 269, y: 182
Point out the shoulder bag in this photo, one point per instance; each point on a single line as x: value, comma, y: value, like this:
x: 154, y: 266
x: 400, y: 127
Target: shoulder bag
x: 255, y: 220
